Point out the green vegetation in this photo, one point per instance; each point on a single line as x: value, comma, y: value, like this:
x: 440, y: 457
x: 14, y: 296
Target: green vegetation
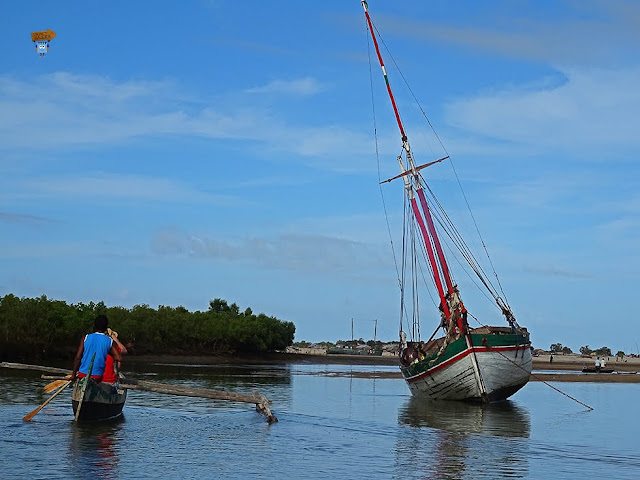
x: 559, y: 348
x: 600, y: 352
x: 41, y: 327
x: 603, y: 352
x: 585, y: 350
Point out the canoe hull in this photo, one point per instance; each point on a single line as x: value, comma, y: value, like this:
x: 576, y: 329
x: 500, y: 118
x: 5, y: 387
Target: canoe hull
x: 479, y: 367
x: 102, y: 402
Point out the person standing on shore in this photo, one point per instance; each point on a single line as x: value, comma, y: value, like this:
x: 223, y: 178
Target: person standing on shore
x: 597, y: 364
x: 99, y: 344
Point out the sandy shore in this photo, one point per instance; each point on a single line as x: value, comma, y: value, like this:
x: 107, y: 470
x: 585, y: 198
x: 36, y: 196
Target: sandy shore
x: 576, y: 362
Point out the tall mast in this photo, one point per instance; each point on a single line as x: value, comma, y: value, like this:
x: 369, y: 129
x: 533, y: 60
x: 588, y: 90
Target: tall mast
x: 384, y: 70
x: 428, y: 231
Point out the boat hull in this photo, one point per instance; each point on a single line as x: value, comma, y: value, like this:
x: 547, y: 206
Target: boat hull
x: 597, y: 370
x: 102, y: 401
x: 478, y: 367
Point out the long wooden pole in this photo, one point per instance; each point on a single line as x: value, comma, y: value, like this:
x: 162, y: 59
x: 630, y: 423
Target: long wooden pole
x: 83, y: 388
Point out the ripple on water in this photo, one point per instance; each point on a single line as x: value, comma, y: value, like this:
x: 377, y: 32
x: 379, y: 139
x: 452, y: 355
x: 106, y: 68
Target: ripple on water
x: 329, y: 427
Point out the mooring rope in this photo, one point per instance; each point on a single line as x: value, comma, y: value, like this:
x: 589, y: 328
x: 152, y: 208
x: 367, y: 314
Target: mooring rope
x: 560, y: 391
x: 534, y: 375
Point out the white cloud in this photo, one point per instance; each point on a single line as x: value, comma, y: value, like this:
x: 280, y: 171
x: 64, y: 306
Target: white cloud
x: 111, y: 186
x: 580, y: 33
x: 65, y: 109
x: 593, y: 113
x: 22, y: 218
x: 622, y: 231
x: 304, y: 86
x: 311, y: 253
x: 48, y: 250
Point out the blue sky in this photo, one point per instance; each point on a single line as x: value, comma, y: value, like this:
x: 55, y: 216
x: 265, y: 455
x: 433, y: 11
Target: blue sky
x: 169, y: 153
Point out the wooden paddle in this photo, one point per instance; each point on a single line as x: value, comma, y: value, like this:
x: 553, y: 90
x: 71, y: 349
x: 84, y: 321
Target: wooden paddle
x: 29, y: 416
x: 50, y: 387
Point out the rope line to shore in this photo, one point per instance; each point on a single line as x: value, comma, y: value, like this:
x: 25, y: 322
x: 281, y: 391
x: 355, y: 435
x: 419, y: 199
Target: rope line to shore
x: 563, y: 393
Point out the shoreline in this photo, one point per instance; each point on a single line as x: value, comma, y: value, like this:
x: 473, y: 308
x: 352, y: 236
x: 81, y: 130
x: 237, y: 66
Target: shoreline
x: 568, y: 367
x: 539, y: 363
x: 571, y: 364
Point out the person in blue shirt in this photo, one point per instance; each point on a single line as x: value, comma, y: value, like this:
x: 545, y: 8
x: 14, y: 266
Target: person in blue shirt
x: 98, y: 343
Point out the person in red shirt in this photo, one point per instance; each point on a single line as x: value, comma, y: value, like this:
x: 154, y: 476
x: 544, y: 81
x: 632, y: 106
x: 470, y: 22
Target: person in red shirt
x: 110, y: 375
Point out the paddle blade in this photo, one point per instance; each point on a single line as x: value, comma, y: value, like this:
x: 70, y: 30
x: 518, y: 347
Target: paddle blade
x: 50, y: 387
x: 32, y: 414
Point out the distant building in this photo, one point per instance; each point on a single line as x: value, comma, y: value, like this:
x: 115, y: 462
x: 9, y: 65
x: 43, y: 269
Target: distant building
x: 363, y: 349
x: 311, y: 350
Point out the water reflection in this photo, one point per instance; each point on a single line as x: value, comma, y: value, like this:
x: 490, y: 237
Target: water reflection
x: 210, y: 376
x: 18, y: 387
x: 94, y: 448
x: 454, y: 440
x: 504, y: 419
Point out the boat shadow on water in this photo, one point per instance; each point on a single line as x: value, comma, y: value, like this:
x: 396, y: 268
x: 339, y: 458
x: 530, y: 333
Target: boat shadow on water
x: 455, y: 440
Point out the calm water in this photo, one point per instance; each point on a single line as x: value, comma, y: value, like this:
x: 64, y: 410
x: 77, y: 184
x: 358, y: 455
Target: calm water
x: 330, y: 426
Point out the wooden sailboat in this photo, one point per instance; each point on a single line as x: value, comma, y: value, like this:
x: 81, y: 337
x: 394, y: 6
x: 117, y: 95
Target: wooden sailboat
x: 484, y: 364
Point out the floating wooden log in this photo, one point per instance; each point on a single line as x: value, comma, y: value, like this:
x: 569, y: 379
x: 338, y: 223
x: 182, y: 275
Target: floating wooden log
x: 261, y: 402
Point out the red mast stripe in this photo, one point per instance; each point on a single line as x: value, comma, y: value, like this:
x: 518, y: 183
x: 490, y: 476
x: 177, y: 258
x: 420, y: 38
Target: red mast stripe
x: 432, y: 258
x: 436, y: 240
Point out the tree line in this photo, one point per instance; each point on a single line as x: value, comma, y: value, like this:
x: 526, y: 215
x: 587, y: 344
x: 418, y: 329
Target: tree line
x: 34, y: 328
x: 585, y: 350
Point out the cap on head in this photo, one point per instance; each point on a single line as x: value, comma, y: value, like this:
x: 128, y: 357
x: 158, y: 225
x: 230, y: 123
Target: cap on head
x: 100, y: 323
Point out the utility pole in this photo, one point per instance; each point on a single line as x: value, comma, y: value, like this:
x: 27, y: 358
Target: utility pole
x: 352, y: 329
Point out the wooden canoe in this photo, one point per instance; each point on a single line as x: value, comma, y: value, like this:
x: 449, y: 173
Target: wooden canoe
x: 102, y: 401
x: 597, y: 370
